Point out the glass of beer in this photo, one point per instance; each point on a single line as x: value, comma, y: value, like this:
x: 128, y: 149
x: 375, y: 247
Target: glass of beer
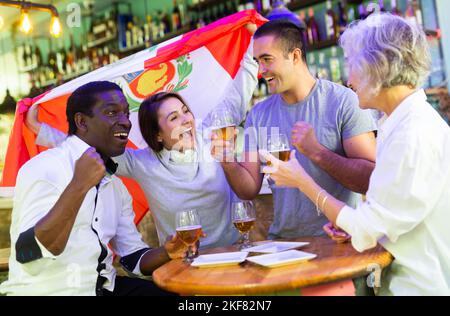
x: 223, y: 124
x: 189, y: 230
x: 278, y: 146
x: 243, y: 216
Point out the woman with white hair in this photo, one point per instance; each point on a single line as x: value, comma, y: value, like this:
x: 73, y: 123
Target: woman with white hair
x: 407, y: 207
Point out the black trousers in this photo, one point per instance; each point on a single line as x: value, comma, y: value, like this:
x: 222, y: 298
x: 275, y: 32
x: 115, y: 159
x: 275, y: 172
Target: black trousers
x: 126, y: 286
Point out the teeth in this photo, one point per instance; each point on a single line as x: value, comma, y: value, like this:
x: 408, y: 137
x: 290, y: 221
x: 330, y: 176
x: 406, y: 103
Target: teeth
x: 187, y: 130
x: 121, y: 135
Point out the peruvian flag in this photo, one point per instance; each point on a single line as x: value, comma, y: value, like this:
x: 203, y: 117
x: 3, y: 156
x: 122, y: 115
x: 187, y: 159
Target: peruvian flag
x: 198, y: 65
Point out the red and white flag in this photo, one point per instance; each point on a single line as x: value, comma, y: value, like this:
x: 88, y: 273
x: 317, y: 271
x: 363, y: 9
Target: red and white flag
x: 198, y: 65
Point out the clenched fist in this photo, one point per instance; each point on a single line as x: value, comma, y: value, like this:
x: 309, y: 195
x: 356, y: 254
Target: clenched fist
x: 89, y: 170
x: 304, y: 139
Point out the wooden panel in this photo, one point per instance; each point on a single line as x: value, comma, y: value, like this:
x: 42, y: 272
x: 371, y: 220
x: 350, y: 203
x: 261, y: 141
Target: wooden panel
x: 334, y: 262
x: 4, y: 258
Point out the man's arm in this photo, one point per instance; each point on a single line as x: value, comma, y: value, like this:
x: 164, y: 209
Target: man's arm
x: 353, y: 171
x: 244, y: 177
x: 174, y: 248
x: 53, y: 230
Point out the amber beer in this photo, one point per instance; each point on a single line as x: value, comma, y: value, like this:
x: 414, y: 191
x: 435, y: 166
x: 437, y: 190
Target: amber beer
x: 283, y: 155
x: 225, y: 133
x: 244, y: 225
x: 189, y: 234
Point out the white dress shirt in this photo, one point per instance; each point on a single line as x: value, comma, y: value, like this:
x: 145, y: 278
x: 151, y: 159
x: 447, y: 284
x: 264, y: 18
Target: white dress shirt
x: 407, y: 209
x: 40, y: 183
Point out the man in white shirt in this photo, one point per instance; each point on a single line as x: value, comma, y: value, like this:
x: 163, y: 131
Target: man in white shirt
x: 70, y: 211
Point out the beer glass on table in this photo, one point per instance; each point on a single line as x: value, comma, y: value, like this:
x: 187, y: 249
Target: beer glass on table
x: 189, y: 230
x: 243, y: 217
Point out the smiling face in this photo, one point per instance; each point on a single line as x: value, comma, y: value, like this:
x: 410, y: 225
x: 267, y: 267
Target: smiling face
x: 274, y: 66
x: 176, y: 125
x: 355, y: 82
x: 108, y: 127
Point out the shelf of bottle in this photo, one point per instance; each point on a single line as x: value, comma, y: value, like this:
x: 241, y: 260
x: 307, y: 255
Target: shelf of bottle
x: 205, y: 4
x: 29, y: 68
x: 301, y: 4
x: 173, y: 34
x: 101, y: 41
x: 166, y: 37
x: 65, y: 78
x: 322, y: 44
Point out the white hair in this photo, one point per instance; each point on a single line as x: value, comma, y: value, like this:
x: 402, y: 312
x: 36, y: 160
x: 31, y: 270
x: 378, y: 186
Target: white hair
x: 384, y: 51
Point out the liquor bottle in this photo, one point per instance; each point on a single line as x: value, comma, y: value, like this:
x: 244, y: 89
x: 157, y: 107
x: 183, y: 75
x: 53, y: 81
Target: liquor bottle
x: 241, y: 6
x: 330, y: 22
x: 135, y: 32
x: 351, y: 14
x: 394, y: 8
x: 165, y: 21
x: 29, y: 56
x: 312, y: 66
x: 52, y: 65
x: 302, y: 17
x: 38, y: 54
x: 61, y: 60
x: 266, y: 5
x: 182, y: 12
x: 128, y: 35
x: 148, y: 30
x: 413, y: 13
x: 201, y: 21
x: 258, y: 6
x: 312, y: 28
x: 335, y: 66
x: 417, y: 12
x: 342, y: 19
x: 70, y: 68
x: 381, y: 5
x: 323, y: 72
x: 362, y: 12
x: 176, y: 24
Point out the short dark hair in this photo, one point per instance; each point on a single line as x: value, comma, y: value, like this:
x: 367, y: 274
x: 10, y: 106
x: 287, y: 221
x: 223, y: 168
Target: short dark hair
x: 83, y: 99
x: 148, y: 117
x: 289, y: 35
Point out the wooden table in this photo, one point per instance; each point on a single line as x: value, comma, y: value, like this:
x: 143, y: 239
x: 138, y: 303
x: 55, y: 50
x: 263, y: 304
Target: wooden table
x: 4, y: 257
x: 334, y: 262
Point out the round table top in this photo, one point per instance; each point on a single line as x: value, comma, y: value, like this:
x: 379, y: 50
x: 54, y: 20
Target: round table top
x: 333, y: 262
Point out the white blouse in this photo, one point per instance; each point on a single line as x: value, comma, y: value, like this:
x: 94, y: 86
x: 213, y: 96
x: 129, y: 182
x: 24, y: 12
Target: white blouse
x: 407, y: 209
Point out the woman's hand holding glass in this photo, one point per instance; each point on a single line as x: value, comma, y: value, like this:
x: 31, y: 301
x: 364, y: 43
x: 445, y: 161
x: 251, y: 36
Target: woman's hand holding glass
x: 223, y: 135
x: 285, y: 173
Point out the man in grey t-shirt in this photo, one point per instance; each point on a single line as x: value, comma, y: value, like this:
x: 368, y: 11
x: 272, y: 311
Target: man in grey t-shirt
x: 334, y: 138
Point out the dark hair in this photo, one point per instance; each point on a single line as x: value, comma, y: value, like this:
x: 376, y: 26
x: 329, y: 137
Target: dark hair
x: 83, y: 99
x: 287, y: 33
x: 148, y: 117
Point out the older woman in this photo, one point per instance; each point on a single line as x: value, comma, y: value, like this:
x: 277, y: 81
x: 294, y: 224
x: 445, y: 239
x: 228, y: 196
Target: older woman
x: 408, y: 200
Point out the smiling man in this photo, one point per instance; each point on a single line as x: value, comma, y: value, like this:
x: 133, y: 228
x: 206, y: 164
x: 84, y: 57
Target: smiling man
x: 71, y: 212
x: 334, y: 138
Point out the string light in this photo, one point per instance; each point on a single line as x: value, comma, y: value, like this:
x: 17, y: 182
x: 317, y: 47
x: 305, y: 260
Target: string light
x: 55, y: 26
x: 25, y: 22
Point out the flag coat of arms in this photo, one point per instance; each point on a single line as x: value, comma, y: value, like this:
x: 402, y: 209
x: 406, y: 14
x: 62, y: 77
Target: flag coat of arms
x: 198, y: 65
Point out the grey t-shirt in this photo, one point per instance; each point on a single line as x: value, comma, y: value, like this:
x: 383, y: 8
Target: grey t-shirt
x: 334, y: 113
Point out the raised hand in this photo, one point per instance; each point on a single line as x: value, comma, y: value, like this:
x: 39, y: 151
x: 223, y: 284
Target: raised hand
x: 89, y: 170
